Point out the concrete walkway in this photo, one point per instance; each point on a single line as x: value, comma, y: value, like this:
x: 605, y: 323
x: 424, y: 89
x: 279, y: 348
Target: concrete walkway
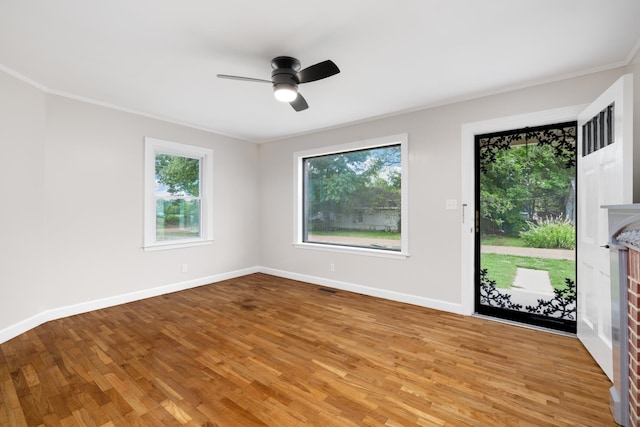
x: 530, y: 285
x: 530, y: 252
x: 533, y: 280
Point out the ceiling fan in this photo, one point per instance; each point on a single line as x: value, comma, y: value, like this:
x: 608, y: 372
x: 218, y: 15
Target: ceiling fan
x: 286, y: 76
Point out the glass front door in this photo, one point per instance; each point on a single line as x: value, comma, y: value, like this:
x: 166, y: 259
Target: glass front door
x: 525, y: 225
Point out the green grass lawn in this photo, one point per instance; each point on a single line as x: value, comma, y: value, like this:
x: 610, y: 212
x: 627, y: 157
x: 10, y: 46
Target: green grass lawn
x: 502, y: 268
x: 502, y: 241
x: 358, y: 233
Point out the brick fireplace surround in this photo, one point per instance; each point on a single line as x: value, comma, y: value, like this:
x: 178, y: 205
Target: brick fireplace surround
x: 633, y: 269
x: 624, y: 246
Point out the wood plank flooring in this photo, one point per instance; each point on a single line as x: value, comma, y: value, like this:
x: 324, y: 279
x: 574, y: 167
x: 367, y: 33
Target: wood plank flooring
x: 261, y: 350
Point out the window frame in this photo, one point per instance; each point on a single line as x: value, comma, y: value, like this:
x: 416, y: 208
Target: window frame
x: 153, y: 147
x: 299, y: 196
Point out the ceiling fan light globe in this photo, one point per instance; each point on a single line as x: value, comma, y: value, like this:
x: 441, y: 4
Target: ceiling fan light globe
x: 285, y: 92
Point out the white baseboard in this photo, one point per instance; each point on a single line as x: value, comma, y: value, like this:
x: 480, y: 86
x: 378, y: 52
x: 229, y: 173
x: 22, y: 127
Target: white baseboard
x: 70, y: 310
x: 366, y: 290
x: 58, y: 313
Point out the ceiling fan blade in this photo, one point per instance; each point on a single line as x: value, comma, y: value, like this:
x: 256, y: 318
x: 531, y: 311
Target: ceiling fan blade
x: 318, y: 71
x: 299, y: 103
x: 246, y: 79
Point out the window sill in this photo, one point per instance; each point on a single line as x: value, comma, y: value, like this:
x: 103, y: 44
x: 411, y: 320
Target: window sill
x: 177, y: 245
x: 352, y: 250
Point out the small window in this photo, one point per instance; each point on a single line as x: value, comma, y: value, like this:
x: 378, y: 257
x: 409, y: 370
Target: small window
x: 354, y: 197
x: 178, y: 195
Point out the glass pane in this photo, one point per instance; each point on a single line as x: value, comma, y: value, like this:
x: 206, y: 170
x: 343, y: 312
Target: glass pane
x: 354, y: 198
x: 177, y: 197
x: 177, y: 176
x: 527, y: 200
x: 177, y: 219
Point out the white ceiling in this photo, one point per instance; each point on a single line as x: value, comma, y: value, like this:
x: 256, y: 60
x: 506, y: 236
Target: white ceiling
x: 161, y: 57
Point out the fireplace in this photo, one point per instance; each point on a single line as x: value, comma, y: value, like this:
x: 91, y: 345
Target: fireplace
x: 624, y: 246
x: 634, y: 333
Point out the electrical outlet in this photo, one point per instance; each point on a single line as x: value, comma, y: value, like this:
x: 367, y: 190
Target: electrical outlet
x: 185, y: 268
x: 452, y: 204
x: 332, y: 267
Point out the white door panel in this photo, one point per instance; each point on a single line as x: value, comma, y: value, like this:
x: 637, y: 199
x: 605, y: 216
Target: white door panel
x: 605, y: 177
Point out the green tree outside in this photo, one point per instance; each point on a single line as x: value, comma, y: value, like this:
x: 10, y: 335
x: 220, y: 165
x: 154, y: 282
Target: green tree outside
x: 181, y: 175
x: 524, y: 183
x: 366, y: 181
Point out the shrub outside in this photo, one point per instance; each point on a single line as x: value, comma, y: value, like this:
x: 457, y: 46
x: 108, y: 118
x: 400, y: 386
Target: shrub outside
x: 550, y: 233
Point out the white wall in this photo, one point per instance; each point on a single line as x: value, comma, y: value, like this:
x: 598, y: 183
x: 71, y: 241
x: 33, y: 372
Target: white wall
x: 634, y: 68
x: 22, y: 120
x: 431, y: 275
x: 75, y: 172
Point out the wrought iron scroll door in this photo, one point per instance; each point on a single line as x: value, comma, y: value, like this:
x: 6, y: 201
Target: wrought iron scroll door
x: 526, y: 183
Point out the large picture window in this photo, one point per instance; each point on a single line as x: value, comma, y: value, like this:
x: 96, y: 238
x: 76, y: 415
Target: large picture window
x: 354, y: 196
x: 178, y: 205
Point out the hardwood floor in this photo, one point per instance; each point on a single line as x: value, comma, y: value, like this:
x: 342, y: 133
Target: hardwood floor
x: 261, y: 350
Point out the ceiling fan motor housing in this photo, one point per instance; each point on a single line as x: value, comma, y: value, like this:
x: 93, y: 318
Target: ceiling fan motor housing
x: 285, y: 69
